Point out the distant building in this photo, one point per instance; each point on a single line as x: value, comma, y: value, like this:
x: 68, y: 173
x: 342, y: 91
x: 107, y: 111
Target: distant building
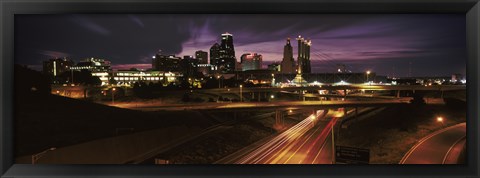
x: 202, y: 57
x: 93, y: 65
x: 166, y: 63
x: 457, y: 78
x: 129, y: 77
x: 275, y: 67
x: 288, y: 63
x: 304, y: 55
x: 98, y: 67
x: 214, y: 54
x: 57, y: 66
x: 223, y: 55
x: 205, y: 69
x: 189, y: 66
x: 251, y: 61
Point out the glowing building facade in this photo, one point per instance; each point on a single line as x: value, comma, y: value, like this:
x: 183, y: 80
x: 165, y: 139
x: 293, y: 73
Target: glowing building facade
x: 251, y: 61
x: 303, y: 63
x: 223, y: 55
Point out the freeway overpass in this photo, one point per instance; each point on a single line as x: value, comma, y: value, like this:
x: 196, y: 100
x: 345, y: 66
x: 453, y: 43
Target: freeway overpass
x: 248, y: 106
x: 342, y: 87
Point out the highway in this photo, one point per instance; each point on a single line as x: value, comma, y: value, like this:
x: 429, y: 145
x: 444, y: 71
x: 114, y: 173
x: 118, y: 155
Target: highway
x: 437, y: 147
x: 338, y: 87
x: 308, y: 142
x: 229, y: 106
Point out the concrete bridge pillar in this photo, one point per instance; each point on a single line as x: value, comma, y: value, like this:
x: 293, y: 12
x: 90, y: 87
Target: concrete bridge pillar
x: 356, y: 112
x: 279, y: 117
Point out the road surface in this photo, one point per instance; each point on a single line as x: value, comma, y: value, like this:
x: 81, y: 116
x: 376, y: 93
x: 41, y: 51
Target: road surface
x: 301, y: 144
x: 258, y: 105
x: 438, y: 147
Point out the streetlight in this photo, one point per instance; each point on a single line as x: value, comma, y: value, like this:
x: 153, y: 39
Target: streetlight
x: 440, y: 119
x: 113, y: 96
x: 241, y: 86
x: 218, y: 78
x: 368, y: 73
x: 37, y: 156
x: 333, y: 145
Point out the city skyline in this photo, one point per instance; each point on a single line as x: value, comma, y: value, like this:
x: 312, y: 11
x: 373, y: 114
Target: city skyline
x: 391, y: 45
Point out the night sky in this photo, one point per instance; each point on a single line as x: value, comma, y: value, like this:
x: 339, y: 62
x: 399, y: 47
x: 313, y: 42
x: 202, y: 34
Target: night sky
x: 390, y: 44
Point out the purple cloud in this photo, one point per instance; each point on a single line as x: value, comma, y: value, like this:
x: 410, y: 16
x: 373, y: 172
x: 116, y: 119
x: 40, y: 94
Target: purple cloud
x: 53, y: 54
x: 90, y: 25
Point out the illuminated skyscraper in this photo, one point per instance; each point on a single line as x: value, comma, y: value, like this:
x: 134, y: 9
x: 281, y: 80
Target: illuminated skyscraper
x: 303, y: 62
x: 288, y: 63
x: 223, y: 55
x: 214, y: 54
x: 227, y: 46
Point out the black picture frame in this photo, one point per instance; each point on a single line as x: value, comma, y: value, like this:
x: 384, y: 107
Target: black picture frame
x: 8, y: 9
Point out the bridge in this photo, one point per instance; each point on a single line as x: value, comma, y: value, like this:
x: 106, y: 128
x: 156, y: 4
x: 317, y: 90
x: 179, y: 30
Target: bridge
x: 249, y: 106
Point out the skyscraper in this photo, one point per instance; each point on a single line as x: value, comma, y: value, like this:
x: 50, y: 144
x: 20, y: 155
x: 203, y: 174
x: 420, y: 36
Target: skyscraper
x: 227, y: 46
x: 202, y: 57
x: 288, y: 63
x: 251, y: 61
x: 214, y: 54
x: 304, y: 55
x: 223, y: 55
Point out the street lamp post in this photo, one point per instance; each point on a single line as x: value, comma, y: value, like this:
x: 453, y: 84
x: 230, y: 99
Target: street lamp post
x: 241, y: 97
x: 440, y: 119
x: 333, y: 145
x: 113, y: 96
x: 368, y: 73
x: 218, y: 78
x: 72, y: 75
x: 37, y: 156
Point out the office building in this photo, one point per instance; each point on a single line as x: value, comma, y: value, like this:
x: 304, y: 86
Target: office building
x: 288, y: 63
x: 166, y: 63
x: 189, y: 66
x: 202, y: 57
x: 223, y: 55
x: 214, y: 54
x: 276, y: 66
x: 98, y: 67
x: 57, y: 66
x: 251, y: 61
x: 130, y: 77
